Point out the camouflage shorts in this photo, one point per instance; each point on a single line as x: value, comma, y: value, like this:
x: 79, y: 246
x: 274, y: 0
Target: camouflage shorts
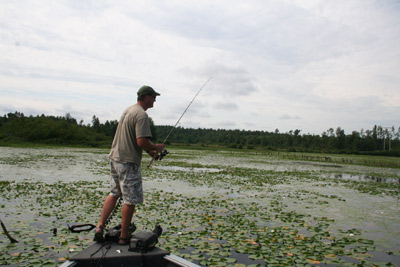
x: 126, y: 181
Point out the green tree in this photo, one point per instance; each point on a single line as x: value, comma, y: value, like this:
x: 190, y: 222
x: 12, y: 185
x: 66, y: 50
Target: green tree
x: 96, y: 123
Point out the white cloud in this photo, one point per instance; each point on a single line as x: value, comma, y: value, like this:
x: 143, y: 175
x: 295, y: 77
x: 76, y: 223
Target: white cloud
x: 226, y: 106
x: 290, y: 64
x: 289, y: 117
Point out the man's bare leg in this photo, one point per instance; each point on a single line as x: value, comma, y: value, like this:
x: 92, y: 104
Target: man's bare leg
x: 108, y: 207
x: 127, y: 214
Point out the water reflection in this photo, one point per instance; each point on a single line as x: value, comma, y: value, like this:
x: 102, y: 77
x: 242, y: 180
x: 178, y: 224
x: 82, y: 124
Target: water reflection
x: 363, y: 178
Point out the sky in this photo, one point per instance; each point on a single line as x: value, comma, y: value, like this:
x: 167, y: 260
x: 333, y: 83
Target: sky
x: 274, y: 64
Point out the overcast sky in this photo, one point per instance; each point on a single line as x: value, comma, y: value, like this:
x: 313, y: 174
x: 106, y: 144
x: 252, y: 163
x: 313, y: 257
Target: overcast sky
x: 275, y: 64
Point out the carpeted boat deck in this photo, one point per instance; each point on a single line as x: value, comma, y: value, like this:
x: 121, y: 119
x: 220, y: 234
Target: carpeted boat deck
x: 113, y: 254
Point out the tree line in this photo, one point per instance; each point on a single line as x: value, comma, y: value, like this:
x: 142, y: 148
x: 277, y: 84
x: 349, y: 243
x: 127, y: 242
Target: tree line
x: 65, y: 130
x: 378, y: 141
x: 17, y: 128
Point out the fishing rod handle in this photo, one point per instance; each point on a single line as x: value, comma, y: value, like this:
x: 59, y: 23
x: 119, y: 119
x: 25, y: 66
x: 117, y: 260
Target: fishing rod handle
x: 151, y: 162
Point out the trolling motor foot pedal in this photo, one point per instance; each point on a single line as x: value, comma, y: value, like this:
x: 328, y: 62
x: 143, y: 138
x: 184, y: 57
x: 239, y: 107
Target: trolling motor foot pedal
x: 114, y: 233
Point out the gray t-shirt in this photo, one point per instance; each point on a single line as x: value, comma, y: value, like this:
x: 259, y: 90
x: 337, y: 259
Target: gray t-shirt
x: 133, y: 123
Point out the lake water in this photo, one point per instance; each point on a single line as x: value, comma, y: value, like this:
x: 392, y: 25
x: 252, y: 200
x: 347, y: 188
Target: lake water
x: 347, y: 202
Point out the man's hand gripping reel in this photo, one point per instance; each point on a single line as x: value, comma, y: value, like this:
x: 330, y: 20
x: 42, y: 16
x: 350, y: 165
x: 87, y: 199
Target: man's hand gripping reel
x: 158, y: 157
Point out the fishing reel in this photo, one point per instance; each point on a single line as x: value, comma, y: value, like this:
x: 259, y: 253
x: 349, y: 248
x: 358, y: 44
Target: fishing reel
x: 163, y: 154
x: 158, y: 157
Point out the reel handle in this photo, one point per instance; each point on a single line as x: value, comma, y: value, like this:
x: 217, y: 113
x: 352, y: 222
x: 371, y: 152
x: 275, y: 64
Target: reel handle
x: 161, y: 156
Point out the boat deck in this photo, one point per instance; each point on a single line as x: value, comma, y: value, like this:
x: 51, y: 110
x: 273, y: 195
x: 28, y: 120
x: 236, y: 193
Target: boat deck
x: 113, y: 254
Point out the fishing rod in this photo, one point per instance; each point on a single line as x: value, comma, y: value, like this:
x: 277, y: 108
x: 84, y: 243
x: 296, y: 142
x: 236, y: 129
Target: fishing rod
x: 165, y: 152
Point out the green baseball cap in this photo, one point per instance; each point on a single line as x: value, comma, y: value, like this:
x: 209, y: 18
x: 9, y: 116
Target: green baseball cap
x: 146, y: 90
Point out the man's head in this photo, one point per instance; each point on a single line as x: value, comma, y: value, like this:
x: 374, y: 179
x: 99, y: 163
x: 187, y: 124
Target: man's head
x: 146, y: 96
x: 146, y: 90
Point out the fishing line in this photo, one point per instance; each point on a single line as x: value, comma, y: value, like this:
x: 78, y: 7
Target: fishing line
x: 186, y: 109
x: 165, y: 152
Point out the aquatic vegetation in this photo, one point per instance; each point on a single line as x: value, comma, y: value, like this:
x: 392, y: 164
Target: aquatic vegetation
x: 32, y: 211
x: 222, y: 208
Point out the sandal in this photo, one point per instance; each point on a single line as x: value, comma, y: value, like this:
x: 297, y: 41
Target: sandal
x: 124, y: 241
x: 99, y: 234
x: 127, y: 240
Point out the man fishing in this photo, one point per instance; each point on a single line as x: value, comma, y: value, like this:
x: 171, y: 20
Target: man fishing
x: 131, y: 138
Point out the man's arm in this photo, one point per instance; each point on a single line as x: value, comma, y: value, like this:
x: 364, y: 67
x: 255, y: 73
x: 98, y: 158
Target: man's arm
x: 147, y: 145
